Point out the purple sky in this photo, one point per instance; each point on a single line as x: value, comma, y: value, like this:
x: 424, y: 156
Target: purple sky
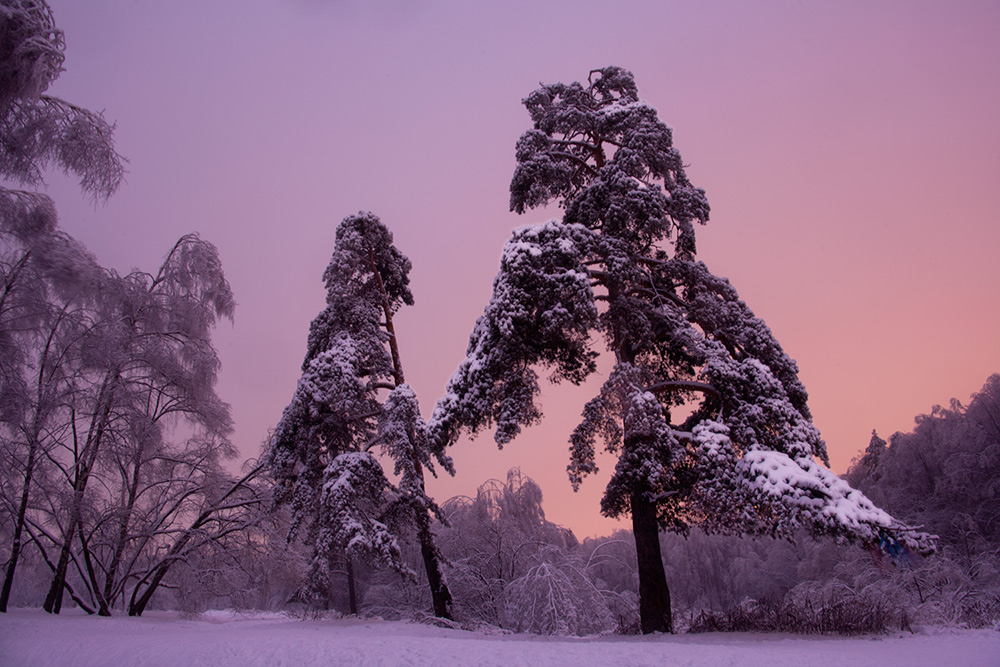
x: 850, y: 151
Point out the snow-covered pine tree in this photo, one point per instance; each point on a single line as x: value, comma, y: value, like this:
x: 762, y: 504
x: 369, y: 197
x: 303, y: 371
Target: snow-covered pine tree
x: 320, y: 452
x: 744, y: 460
x: 862, y: 468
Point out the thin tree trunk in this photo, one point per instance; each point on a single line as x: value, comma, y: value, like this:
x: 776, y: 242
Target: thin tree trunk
x: 654, y: 596
x: 122, y: 536
x: 29, y: 470
x: 102, y: 603
x: 138, y: 604
x: 440, y: 595
x: 53, y: 600
x: 41, y: 550
x: 15, y: 550
x: 352, y: 591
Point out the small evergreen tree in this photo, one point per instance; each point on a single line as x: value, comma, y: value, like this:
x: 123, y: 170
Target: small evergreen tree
x: 743, y: 461
x: 864, y: 466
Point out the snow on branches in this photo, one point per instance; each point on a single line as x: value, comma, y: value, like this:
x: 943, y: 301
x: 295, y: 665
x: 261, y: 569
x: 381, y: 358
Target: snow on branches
x: 351, y: 497
x: 607, y: 158
x: 553, y: 600
x: 38, y: 131
x: 541, y: 313
x: 743, y: 460
x: 320, y: 450
x: 403, y: 436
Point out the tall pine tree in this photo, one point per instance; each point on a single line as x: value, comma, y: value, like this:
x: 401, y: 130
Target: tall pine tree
x: 321, y: 449
x: 620, y: 268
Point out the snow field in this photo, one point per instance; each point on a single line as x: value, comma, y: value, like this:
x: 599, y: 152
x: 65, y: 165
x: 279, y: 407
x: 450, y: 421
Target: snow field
x: 29, y: 637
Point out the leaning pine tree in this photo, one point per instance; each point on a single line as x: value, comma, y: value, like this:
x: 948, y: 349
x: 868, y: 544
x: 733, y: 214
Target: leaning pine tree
x: 621, y: 264
x: 320, y: 452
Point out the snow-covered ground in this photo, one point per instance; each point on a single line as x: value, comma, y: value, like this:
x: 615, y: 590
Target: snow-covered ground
x: 31, y: 637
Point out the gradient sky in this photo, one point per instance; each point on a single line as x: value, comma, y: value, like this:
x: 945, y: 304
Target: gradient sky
x: 850, y: 151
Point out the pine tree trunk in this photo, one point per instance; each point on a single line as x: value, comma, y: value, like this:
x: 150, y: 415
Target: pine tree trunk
x: 654, y: 596
x: 440, y: 595
x: 352, y: 591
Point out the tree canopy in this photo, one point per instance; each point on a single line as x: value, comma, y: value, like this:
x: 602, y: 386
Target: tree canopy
x: 620, y: 269
x: 38, y: 130
x: 945, y: 474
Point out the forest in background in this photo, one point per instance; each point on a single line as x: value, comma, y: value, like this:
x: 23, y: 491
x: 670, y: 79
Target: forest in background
x: 115, y: 492
x: 509, y: 568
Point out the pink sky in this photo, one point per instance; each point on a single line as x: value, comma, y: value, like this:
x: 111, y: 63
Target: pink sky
x: 850, y: 151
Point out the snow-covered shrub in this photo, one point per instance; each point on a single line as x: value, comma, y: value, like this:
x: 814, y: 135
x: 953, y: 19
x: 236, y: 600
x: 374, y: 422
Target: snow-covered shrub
x: 551, y: 599
x: 393, y: 597
x: 33, y: 576
x: 478, y: 598
x: 610, y: 563
x: 868, y: 592
x: 494, y: 539
x: 717, y: 572
x: 624, y: 608
x: 541, y: 602
x: 946, y: 589
x: 828, y: 610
